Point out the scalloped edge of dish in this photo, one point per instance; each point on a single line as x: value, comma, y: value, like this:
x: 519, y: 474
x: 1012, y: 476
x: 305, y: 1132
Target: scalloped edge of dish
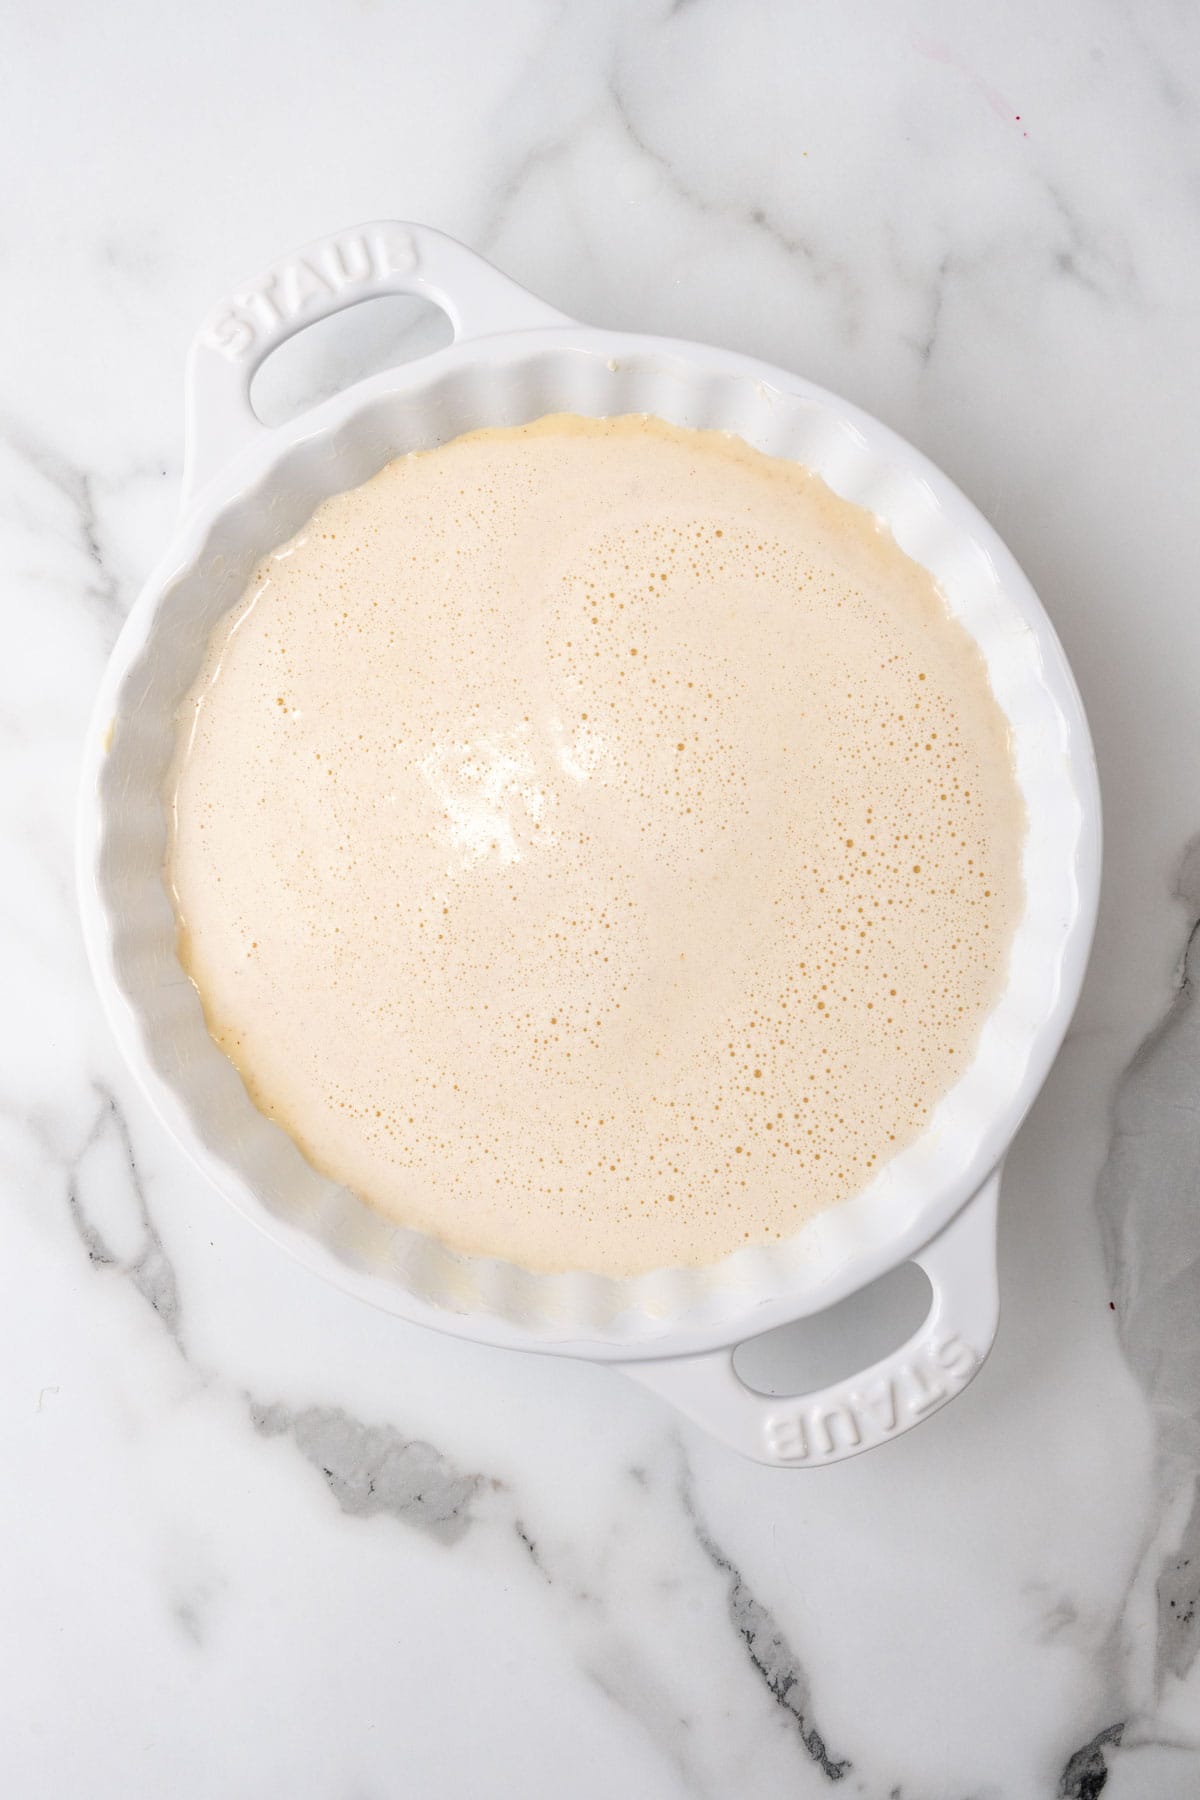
x: 263, y: 499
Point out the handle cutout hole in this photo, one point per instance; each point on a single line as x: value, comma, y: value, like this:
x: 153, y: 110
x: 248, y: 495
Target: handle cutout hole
x: 814, y: 1353
x: 332, y: 354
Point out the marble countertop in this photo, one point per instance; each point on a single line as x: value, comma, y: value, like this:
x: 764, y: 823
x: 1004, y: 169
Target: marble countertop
x: 259, y: 1541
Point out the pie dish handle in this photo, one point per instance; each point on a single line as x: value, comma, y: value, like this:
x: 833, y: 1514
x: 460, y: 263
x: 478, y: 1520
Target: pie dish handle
x: 896, y: 1393
x: 313, y: 283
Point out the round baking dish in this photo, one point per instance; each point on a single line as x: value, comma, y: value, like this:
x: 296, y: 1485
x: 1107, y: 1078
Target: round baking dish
x: 246, y: 489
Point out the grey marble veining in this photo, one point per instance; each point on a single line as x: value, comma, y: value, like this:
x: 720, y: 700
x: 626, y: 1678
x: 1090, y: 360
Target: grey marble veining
x: 373, y: 1469
x: 1152, y: 1252
x: 261, y: 1540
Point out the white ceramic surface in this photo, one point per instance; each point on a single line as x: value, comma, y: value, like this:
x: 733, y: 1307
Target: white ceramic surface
x: 247, y: 489
x: 256, y: 1536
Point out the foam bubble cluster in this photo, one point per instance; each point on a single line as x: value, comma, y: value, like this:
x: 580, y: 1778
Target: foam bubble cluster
x: 596, y: 844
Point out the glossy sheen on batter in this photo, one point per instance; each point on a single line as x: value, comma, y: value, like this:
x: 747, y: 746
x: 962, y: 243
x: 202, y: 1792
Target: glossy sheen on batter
x: 595, y: 843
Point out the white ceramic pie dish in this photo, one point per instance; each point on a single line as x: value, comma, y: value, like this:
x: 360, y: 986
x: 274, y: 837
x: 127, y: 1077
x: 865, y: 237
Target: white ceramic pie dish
x: 246, y: 489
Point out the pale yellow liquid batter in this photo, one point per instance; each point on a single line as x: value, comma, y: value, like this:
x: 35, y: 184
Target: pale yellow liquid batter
x: 595, y: 843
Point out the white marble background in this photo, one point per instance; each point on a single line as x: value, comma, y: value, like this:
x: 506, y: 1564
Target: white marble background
x: 257, y: 1541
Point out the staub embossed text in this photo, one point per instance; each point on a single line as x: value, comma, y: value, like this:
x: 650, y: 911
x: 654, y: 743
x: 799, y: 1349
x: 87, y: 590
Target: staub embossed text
x: 308, y: 284
x: 862, y: 1416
